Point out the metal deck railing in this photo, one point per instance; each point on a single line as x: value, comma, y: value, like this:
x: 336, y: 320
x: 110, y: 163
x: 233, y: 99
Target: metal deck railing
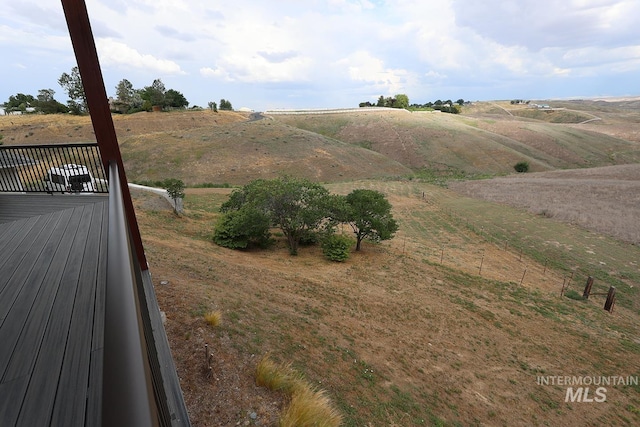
x: 36, y: 168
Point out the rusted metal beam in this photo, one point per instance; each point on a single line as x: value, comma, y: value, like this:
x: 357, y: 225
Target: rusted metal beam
x: 84, y: 47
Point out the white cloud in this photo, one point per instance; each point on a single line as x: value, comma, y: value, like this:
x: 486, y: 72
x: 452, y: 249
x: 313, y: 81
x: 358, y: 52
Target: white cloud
x: 321, y: 51
x: 113, y: 53
x: 363, y: 67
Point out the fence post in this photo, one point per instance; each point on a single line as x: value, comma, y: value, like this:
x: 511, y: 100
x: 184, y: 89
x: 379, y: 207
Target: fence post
x: 611, y: 299
x: 563, y: 285
x: 587, y: 288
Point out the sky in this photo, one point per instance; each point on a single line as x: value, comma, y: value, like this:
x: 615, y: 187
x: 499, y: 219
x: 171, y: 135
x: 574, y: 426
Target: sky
x: 271, y: 54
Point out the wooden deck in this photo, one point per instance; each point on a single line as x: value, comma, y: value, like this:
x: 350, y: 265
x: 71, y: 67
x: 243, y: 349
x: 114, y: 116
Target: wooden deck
x: 52, y: 293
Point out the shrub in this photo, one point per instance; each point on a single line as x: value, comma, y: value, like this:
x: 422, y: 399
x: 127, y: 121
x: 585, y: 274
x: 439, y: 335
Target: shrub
x: 213, y: 318
x: 336, y: 247
x: 307, y: 407
x: 522, y: 167
x: 239, y: 229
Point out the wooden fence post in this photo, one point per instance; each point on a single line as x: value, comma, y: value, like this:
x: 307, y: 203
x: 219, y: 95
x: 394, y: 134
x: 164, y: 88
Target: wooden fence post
x: 587, y: 288
x: 611, y: 299
x: 525, y: 272
x: 564, y: 282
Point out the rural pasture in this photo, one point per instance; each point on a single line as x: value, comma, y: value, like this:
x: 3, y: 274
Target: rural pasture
x: 454, y: 320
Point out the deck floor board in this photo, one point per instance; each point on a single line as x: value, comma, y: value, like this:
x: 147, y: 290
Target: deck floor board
x: 52, y: 283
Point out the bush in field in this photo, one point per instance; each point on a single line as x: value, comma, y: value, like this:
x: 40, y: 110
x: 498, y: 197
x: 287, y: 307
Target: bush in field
x: 522, y: 167
x: 241, y: 228
x: 336, y: 247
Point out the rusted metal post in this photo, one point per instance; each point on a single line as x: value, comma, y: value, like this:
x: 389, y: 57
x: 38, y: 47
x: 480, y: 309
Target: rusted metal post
x: 481, y: 262
x: 587, y: 288
x: 611, y: 299
x: 89, y: 67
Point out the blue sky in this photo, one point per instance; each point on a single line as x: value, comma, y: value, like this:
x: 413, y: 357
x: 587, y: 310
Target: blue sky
x: 334, y: 53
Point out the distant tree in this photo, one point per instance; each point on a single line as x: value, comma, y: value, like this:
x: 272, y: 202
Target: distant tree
x: 153, y: 95
x: 175, y: 189
x: 225, y: 105
x: 370, y: 216
x: 401, y: 101
x: 47, y: 104
x: 175, y: 99
x: 460, y: 101
x: 19, y: 102
x: 213, y: 106
x: 125, y: 91
x: 522, y: 167
x: 380, y: 101
x: 72, y: 84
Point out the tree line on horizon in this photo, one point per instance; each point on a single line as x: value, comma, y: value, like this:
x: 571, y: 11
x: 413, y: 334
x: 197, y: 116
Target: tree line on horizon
x: 402, y: 101
x: 127, y: 100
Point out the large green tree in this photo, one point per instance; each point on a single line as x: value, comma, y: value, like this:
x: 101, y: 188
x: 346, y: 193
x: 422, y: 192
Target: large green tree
x: 72, y: 84
x: 370, y: 216
x: 296, y: 206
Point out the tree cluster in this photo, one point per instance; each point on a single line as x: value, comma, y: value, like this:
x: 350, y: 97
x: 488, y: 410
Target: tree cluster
x: 402, y: 101
x: 305, y: 212
x: 127, y: 100
x: 398, y: 101
x: 447, y: 106
x: 224, y: 105
x: 131, y: 100
x: 44, y: 103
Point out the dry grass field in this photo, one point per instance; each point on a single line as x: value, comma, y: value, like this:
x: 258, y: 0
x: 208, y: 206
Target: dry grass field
x: 603, y: 199
x: 443, y: 325
x: 452, y: 322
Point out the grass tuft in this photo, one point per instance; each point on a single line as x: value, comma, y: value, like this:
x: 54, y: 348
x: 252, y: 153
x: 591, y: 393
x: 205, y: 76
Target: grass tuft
x: 213, y: 318
x: 307, y: 407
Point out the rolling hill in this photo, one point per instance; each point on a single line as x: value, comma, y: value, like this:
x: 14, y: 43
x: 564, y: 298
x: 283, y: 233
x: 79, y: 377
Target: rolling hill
x: 227, y: 147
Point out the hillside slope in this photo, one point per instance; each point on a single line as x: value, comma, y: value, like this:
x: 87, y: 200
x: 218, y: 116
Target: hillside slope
x: 237, y: 153
x: 489, y: 140
x: 228, y: 147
